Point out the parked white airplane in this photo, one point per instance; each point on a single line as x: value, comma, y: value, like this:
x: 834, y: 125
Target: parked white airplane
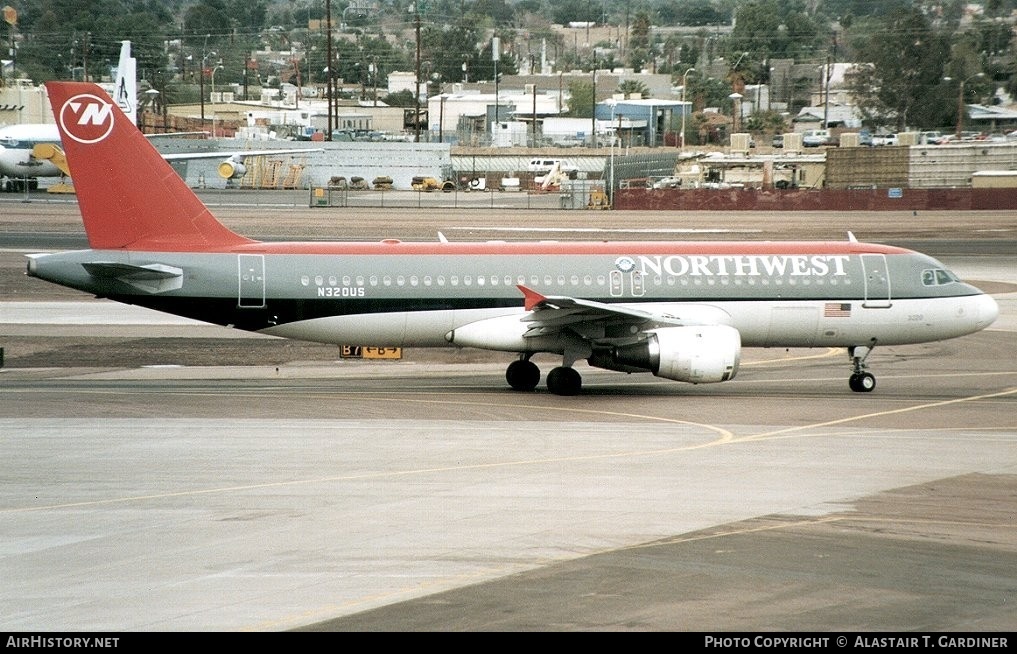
x: 680, y: 310
x: 21, y: 165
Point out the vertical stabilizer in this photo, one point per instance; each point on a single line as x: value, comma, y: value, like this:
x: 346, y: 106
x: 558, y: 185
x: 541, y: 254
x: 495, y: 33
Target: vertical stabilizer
x: 126, y: 86
x: 129, y: 196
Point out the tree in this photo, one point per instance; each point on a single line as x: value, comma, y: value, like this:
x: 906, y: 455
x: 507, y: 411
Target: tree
x: 580, y: 99
x: 708, y: 92
x: 767, y: 29
x: 400, y: 99
x: 449, y: 47
x: 483, y: 66
x: 696, y: 13
x: 903, y: 85
x: 639, y: 41
x: 631, y: 86
x: 564, y: 12
x: 59, y: 36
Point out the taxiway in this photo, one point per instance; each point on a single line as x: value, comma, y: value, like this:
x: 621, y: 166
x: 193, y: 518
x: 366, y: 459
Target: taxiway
x: 245, y: 487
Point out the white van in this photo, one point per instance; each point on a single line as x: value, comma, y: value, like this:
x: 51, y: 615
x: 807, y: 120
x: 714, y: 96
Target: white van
x: 815, y: 138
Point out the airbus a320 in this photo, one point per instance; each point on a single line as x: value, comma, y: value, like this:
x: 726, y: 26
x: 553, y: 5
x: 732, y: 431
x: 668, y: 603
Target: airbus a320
x: 679, y: 310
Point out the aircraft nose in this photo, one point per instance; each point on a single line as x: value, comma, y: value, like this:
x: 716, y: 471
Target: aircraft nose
x: 988, y: 311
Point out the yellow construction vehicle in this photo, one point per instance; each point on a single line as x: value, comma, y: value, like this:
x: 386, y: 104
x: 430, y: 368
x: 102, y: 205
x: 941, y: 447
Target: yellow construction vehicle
x: 53, y: 153
x: 598, y: 199
x: 420, y: 183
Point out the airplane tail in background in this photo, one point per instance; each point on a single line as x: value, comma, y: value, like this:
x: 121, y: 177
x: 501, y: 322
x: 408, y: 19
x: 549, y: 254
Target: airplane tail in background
x: 126, y: 87
x: 129, y: 196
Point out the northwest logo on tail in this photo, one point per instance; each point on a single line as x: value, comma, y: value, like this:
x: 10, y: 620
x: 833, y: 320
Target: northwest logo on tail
x: 86, y: 118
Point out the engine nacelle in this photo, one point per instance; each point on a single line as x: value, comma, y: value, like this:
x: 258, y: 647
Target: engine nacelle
x: 699, y: 355
x: 231, y: 169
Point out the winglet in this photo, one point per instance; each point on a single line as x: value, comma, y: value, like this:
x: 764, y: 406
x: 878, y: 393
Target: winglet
x: 531, y: 297
x: 851, y: 237
x: 129, y: 196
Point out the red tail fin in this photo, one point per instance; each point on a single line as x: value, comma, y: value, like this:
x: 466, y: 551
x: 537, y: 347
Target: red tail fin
x: 129, y: 196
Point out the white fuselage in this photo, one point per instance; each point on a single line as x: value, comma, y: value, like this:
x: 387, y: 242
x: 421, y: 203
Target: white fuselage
x: 16, y: 143
x: 374, y: 294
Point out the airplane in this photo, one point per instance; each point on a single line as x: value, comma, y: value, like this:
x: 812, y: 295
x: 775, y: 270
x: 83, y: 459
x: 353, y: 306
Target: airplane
x: 682, y: 311
x: 21, y: 164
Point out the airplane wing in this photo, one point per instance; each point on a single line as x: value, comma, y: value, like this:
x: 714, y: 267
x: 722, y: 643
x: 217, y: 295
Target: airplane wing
x: 237, y: 156
x: 592, y: 320
x: 176, y: 134
x: 232, y: 164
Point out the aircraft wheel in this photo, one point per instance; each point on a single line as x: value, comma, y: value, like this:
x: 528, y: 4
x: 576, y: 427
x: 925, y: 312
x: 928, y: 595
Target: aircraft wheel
x: 522, y: 375
x: 862, y: 382
x: 564, y: 381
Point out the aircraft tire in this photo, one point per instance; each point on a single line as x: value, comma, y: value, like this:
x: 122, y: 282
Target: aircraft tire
x: 564, y: 381
x: 862, y: 382
x: 522, y: 375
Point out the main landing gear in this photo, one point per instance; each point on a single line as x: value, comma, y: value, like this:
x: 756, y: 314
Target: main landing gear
x: 523, y: 375
x: 17, y: 185
x: 861, y: 381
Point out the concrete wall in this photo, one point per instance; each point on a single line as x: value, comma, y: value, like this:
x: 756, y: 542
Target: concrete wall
x: 815, y: 200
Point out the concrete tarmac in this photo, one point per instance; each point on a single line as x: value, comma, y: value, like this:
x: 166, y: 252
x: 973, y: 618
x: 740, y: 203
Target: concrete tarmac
x: 302, y: 491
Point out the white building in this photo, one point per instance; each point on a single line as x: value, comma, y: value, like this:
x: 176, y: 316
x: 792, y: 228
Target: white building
x: 448, y: 112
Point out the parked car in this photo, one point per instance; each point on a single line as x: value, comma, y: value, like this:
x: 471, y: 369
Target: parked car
x: 930, y: 138
x: 884, y: 139
x: 815, y: 138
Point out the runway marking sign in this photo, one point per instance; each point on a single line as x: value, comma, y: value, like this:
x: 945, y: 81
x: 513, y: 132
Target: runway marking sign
x: 362, y: 352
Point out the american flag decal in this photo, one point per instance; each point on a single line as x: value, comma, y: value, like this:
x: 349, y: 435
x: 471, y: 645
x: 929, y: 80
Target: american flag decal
x: 837, y: 310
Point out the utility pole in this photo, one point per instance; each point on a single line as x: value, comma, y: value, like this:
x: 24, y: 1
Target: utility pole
x: 84, y: 56
x: 533, y: 125
x: 416, y: 96
x: 593, y: 107
x: 495, y: 54
x: 330, y: 90
x: 826, y: 97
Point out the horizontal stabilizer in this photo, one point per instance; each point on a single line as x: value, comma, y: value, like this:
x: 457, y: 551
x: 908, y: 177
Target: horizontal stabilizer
x: 153, y: 278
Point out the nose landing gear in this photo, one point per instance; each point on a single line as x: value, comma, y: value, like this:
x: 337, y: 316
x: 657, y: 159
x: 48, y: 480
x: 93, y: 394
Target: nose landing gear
x: 860, y: 380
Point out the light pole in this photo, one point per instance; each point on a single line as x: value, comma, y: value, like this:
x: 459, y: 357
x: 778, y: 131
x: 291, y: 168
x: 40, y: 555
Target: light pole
x: 329, y: 68
x: 211, y: 98
x: 960, y: 101
x: 685, y: 82
x: 212, y: 95
x: 495, y: 54
x: 201, y: 78
x: 610, y: 196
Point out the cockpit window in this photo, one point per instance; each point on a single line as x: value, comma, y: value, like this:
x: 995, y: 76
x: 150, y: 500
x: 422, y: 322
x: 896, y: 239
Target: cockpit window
x: 938, y: 277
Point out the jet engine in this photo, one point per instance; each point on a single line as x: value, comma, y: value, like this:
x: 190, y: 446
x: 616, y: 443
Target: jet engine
x: 695, y: 354
x: 232, y: 168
